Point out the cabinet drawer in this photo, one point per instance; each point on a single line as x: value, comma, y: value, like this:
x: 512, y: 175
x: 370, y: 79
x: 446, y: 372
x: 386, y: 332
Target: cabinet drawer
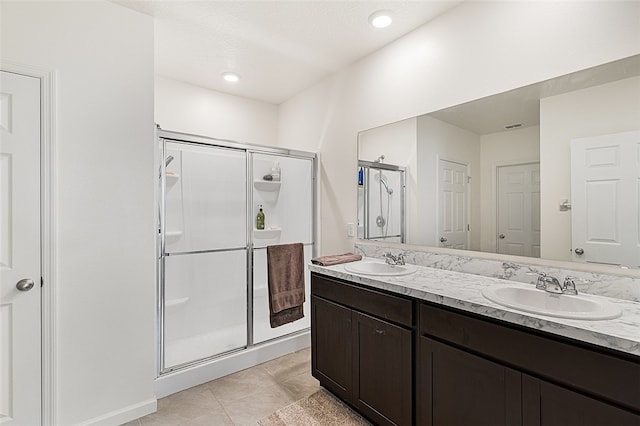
x: 382, y: 305
x: 594, y: 372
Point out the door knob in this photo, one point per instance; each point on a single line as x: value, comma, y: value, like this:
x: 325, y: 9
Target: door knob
x: 25, y: 284
x: 501, y: 236
x: 443, y: 240
x: 579, y: 251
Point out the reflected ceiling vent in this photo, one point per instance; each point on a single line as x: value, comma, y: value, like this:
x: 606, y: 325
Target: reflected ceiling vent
x: 513, y: 126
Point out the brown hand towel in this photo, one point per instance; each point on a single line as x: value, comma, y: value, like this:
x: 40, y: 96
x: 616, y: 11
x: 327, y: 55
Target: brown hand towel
x: 285, y: 272
x: 336, y: 259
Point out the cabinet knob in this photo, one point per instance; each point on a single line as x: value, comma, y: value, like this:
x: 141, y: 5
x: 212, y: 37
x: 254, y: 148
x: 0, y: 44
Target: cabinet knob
x: 381, y: 332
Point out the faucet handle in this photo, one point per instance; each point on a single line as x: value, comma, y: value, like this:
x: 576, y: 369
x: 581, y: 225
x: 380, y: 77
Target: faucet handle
x: 569, y: 285
x: 540, y: 284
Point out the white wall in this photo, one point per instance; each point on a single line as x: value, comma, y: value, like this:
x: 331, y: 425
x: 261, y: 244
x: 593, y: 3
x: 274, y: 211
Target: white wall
x: 186, y: 108
x: 475, y: 50
x: 605, y: 109
x: 437, y: 141
x: 501, y: 149
x: 102, y: 56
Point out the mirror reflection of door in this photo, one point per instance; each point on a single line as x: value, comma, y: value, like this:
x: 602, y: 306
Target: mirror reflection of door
x: 605, y: 191
x: 518, y: 213
x: 453, y: 195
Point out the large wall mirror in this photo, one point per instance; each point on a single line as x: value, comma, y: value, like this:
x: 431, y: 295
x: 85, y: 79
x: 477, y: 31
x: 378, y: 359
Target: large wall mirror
x: 550, y: 170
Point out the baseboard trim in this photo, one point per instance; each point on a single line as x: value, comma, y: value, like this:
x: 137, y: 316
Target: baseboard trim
x: 124, y: 415
x: 177, y: 381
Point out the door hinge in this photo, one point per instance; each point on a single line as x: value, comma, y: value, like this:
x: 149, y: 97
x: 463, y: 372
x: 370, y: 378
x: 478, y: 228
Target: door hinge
x: 468, y: 227
x: 41, y: 282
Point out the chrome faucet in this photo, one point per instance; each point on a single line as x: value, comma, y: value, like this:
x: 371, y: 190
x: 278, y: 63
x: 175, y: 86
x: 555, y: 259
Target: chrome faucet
x: 548, y: 283
x: 552, y: 285
x: 393, y: 260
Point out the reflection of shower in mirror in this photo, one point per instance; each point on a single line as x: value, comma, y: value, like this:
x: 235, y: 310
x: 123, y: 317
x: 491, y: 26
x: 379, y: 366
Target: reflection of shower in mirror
x: 381, y: 201
x: 381, y: 221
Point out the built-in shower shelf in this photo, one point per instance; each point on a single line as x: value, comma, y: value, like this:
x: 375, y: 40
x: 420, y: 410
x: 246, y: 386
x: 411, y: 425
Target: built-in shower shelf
x: 173, y: 234
x: 267, y: 185
x: 175, y: 302
x: 266, y: 233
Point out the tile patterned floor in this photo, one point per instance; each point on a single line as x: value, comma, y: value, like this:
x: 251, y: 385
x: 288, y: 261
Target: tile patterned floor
x: 241, y: 398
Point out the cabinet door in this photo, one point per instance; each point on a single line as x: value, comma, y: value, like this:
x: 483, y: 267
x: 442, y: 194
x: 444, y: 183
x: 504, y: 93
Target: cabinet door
x: 459, y: 388
x: 548, y: 404
x: 331, y: 354
x: 382, y: 370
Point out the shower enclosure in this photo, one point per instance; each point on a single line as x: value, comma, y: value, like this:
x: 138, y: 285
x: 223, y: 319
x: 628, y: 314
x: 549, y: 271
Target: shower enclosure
x: 212, y: 265
x: 381, y: 202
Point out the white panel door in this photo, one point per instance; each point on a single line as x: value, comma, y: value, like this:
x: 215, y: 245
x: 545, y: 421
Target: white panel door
x: 287, y: 205
x: 206, y: 198
x: 20, y: 331
x: 452, y: 201
x: 605, y: 192
x: 518, y: 223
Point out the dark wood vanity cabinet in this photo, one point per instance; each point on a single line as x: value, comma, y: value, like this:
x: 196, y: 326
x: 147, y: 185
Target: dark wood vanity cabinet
x: 362, y: 348
x: 550, y: 404
x: 403, y: 361
x: 332, y: 347
x: 459, y: 388
x: 473, y: 371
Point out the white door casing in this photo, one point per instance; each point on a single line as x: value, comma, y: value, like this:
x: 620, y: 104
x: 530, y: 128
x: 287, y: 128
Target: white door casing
x: 20, y: 323
x: 453, y: 226
x: 605, y: 192
x: 518, y: 210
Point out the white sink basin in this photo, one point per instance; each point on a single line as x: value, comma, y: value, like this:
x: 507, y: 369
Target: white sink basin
x: 556, y: 305
x: 378, y: 268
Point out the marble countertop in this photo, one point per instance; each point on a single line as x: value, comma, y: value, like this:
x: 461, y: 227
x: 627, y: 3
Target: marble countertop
x: 464, y: 291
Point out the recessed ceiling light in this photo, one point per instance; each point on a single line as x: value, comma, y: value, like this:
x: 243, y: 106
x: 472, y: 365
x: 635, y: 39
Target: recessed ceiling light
x: 380, y: 19
x: 230, y: 77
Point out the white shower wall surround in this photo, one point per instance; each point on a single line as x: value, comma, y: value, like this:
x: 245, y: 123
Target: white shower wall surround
x: 213, y: 313
x: 616, y: 286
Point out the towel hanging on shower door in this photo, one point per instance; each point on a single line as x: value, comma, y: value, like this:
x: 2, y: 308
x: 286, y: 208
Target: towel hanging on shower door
x: 285, y: 276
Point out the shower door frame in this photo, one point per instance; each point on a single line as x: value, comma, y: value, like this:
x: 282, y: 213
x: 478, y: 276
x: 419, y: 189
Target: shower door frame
x: 164, y: 136
x: 368, y: 165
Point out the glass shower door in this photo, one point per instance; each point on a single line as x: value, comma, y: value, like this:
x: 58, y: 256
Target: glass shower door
x: 288, y: 208
x: 204, y: 261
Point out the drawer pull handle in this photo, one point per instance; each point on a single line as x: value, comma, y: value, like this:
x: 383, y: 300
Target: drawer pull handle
x: 382, y: 332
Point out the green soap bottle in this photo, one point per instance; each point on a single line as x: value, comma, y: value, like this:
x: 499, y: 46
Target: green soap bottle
x: 260, y: 218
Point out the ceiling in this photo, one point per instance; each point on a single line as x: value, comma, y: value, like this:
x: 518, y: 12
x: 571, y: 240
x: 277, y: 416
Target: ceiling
x: 522, y: 105
x: 279, y: 48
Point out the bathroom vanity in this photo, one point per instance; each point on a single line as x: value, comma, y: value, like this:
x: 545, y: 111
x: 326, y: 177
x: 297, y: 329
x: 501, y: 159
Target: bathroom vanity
x: 427, y: 349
